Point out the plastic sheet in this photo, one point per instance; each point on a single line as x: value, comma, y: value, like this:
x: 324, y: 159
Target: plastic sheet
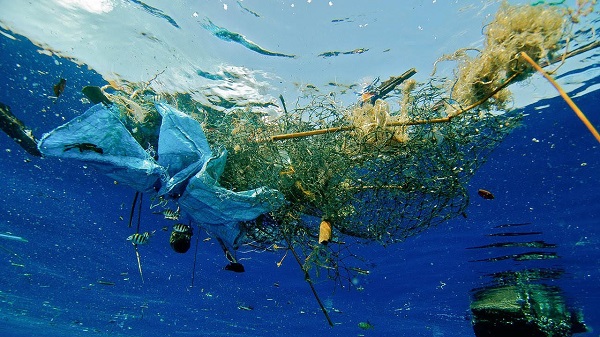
x: 186, y: 169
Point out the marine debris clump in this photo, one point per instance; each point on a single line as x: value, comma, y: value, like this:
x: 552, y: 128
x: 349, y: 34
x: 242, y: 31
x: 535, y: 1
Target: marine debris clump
x: 383, y: 175
x: 380, y: 174
x: 535, y: 30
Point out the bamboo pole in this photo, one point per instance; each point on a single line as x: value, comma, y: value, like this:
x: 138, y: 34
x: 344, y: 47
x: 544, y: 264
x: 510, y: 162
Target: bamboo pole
x: 564, y: 95
x: 308, y: 279
x: 404, y: 123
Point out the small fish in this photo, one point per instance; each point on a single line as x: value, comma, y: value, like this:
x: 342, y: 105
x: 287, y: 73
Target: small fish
x: 235, y: 267
x: 170, y: 214
x: 366, y: 325
x: 140, y: 239
x: 360, y: 271
x: 245, y: 307
x: 95, y: 95
x: 485, y: 194
x: 106, y: 283
x: 182, y: 228
x: 84, y: 147
x: 59, y: 87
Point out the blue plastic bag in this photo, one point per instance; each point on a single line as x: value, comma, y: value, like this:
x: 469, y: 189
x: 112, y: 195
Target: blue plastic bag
x: 186, y: 170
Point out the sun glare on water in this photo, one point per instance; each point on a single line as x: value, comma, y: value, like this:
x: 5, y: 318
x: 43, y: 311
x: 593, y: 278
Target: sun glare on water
x: 92, y: 6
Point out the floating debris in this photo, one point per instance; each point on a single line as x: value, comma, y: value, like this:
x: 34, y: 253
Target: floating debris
x: 229, y: 36
x: 245, y: 307
x: 105, y: 283
x: 336, y: 53
x: 13, y: 237
x: 524, y: 310
x: 515, y: 234
x: 156, y: 12
x: 485, y: 194
x: 247, y: 10
x: 366, y: 325
x: 513, y: 225
x: 325, y: 232
x: 59, y: 87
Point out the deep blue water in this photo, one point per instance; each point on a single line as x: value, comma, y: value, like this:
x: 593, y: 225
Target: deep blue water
x: 546, y: 173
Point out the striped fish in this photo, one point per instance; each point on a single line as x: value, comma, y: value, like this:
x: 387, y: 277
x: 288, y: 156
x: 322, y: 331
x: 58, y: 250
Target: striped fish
x: 182, y: 228
x: 170, y: 214
x: 140, y: 239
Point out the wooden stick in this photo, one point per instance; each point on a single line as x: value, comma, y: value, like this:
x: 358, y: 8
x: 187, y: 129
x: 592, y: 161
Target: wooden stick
x: 195, y: 256
x: 564, y: 95
x: 405, y: 123
x: 137, y: 254
x: 309, y: 280
x: 311, y: 133
x: 133, y: 208
x: 139, y: 219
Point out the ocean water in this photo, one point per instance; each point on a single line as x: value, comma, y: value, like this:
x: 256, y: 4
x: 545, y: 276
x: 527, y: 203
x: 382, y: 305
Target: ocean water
x: 67, y: 269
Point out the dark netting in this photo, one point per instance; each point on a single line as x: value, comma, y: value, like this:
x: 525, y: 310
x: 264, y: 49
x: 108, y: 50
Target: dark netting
x: 373, y: 182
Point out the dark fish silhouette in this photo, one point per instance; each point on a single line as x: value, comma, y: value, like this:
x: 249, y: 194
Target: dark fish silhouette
x: 84, y: 147
x: 59, y: 87
x: 95, y: 95
x: 16, y: 130
x: 235, y: 267
x: 485, y: 194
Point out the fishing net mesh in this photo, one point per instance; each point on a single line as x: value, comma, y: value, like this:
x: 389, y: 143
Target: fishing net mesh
x: 373, y: 182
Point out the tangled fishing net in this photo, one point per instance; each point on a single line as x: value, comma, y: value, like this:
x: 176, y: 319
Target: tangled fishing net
x: 382, y: 175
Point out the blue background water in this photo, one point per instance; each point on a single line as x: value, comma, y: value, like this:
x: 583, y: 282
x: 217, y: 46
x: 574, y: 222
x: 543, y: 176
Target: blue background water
x: 546, y: 173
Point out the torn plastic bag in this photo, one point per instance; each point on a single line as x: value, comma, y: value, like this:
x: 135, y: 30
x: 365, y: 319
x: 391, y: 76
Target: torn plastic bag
x: 182, y: 148
x: 100, y: 139
x: 186, y: 167
x: 213, y: 205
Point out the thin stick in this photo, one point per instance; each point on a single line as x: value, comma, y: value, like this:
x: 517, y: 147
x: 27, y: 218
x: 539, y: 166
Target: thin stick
x: 309, y: 280
x: 391, y: 83
x: 283, y: 104
x: 577, y: 51
x: 195, y: 256
x: 137, y: 254
x: 133, y: 208
x: 564, y: 95
x: 139, y: 213
x: 311, y: 133
x: 405, y: 123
